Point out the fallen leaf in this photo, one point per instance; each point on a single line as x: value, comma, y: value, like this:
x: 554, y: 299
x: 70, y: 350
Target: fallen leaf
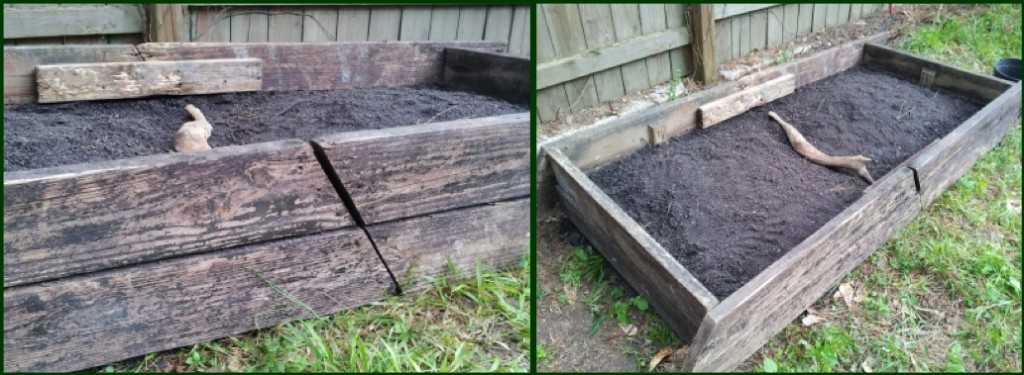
x: 810, y: 320
x: 846, y: 293
x: 628, y: 329
x: 866, y: 367
x: 664, y: 352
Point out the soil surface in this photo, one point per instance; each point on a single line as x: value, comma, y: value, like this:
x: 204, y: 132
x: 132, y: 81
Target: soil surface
x: 730, y: 200
x: 47, y: 135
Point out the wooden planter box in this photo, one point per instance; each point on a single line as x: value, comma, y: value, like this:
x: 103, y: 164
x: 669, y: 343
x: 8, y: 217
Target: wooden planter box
x: 108, y: 260
x: 722, y: 334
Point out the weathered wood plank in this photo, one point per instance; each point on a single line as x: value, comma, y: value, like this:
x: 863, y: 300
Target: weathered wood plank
x: 287, y: 67
x: 562, y: 70
x: 652, y: 21
x: 723, y: 41
x: 320, y: 24
x: 444, y: 23
x: 595, y: 17
x: 818, y: 21
x: 500, y: 75
x: 499, y: 23
x: 167, y: 22
x: 414, y: 170
x: 471, y: 22
x: 705, y: 44
x: 743, y: 322
x: 521, y: 34
x: 680, y: 58
x: 91, y: 320
x: 673, y: 292
x: 250, y: 25
x: 805, y: 20
x: 734, y: 104
x: 626, y: 23
x: 552, y: 99
x: 131, y: 39
x: 99, y: 81
x: 758, y: 30
x: 385, y: 23
x: 566, y: 31
x: 353, y: 24
x: 80, y: 19
x: 81, y: 218
x: 947, y: 77
x: 285, y: 25
x: 20, y: 64
x: 211, y: 24
x: 844, y: 13
x: 791, y: 19
x: 729, y: 10
x: 776, y: 20
x: 415, y: 23
x: 943, y: 162
x: 494, y: 235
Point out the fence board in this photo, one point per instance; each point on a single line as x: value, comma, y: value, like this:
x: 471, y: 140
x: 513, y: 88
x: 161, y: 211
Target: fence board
x: 385, y: 23
x: 855, y: 12
x: 444, y: 23
x: 551, y: 99
x: 759, y: 30
x: 790, y: 22
x: 776, y: 20
x: 213, y: 25
x: 125, y: 39
x: 731, y: 10
x: 626, y: 22
x: 499, y: 23
x: 320, y: 24
x: 844, y: 13
x: 519, y: 41
x: 680, y: 58
x: 353, y: 24
x: 806, y: 19
x: 567, y: 39
x: 286, y: 25
x: 723, y: 40
x: 652, y: 20
x: 471, y: 23
x: 744, y: 35
x: 61, y: 20
x: 608, y: 82
x: 595, y: 61
x: 415, y: 23
x: 819, y: 19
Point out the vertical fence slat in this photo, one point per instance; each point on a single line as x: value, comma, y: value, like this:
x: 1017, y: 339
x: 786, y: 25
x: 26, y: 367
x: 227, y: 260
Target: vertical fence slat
x: 353, y: 24
x: 652, y: 20
x: 415, y: 23
x: 499, y: 23
x: 806, y: 19
x: 595, y: 18
x: 471, y: 22
x: 680, y: 58
x: 551, y: 99
x: 286, y: 24
x: 759, y: 30
x: 567, y: 39
x: 384, y: 23
x: 444, y: 23
x: 212, y: 24
x: 320, y: 24
x: 776, y: 20
x: 791, y: 20
x: 519, y: 41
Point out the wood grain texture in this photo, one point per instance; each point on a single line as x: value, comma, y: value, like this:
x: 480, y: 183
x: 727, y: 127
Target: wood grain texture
x: 285, y: 25
x: 704, y: 45
x: 20, y: 64
x: 730, y: 10
x: 167, y: 22
x: 673, y: 292
x: 70, y: 19
x: 521, y: 35
x: 626, y: 23
x: 69, y: 220
x: 385, y: 23
x: 495, y: 74
x: 99, y: 81
x: 327, y: 66
x: 981, y: 88
x: 743, y: 322
x: 566, y: 31
x: 652, y: 20
x: 415, y: 23
x: 595, y: 17
x: 353, y: 24
x: 495, y: 235
x: 941, y: 163
x: 250, y: 25
x: 90, y: 320
x: 415, y: 170
x: 734, y: 104
x: 211, y: 24
x: 562, y: 70
x: 320, y: 24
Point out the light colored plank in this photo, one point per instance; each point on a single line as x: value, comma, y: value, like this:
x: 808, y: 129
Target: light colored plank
x: 71, y: 220
x: 728, y: 107
x: 723, y: 41
x: 626, y: 22
x: 758, y: 30
x: 549, y: 100
x: 790, y: 22
x: 327, y: 66
x: 20, y: 64
x: 561, y: 70
x: 595, y: 17
x: 672, y: 290
x: 471, y: 22
x: 475, y: 161
x: 418, y: 250
x: 652, y: 20
x: 499, y: 23
x: 211, y: 25
x: 415, y: 23
x: 91, y: 320
x: 566, y: 30
x: 739, y: 325
x: 125, y: 39
x: 776, y: 22
x: 444, y: 23
x: 286, y: 24
x: 353, y: 24
x: 844, y: 13
x: 250, y: 25
x: 855, y: 12
x: 681, y: 58
x: 167, y: 23
x: 121, y: 80
x: 320, y: 24
x: 737, y: 36
x: 63, y: 20
x: 723, y: 11
x: 818, y: 21
x: 832, y: 15
x: 806, y: 19
x: 385, y: 23
x: 746, y: 42
x: 89, y: 39
x: 520, y: 38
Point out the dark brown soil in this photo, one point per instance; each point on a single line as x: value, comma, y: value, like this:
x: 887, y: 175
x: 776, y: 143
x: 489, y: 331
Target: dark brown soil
x: 46, y: 135
x: 730, y: 200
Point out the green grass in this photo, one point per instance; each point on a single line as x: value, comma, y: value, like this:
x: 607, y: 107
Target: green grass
x: 477, y: 323
x: 945, y: 293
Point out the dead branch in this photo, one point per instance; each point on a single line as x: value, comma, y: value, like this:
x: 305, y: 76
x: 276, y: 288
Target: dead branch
x: 858, y: 163
x: 193, y: 135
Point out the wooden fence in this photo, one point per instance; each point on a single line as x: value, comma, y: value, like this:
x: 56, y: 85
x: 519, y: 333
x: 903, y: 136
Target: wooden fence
x: 131, y: 23
x: 583, y: 62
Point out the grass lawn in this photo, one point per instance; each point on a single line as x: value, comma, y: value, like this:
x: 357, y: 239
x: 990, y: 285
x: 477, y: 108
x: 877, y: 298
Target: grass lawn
x: 479, y: 322
x: 942, y: 295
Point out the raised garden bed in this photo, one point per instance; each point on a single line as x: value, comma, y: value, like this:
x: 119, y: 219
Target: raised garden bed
x: 109, y: 255
x: 728, y: 232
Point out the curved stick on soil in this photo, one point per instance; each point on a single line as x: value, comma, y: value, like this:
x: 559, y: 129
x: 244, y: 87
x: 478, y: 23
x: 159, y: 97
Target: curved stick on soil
x: 193, y: 134
x: 857, y: 163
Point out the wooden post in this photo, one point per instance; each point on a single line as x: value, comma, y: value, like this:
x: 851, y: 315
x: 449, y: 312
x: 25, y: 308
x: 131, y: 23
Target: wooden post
x: 703, y: 26
x: 167, y: 23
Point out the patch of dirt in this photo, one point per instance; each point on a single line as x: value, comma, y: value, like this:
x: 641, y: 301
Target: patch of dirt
x: 47, y: 135
x: 730, y: 200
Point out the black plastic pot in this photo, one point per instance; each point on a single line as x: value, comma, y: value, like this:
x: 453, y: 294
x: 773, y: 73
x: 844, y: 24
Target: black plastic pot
x: 1008, y: 69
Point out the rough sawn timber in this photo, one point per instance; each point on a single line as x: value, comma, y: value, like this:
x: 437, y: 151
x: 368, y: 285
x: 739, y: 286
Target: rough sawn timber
x: 495, y: 235
x: 408, y: 171
x: 743, y: 322
x: 69, y: 220
x: 495, y: 74
x: 328, y: 66
x: 121, y: 80
x: 673, y: 291
x: 90, y: 320
x: 734, y: 104
x: 20, y: 64
x: 947, y: 77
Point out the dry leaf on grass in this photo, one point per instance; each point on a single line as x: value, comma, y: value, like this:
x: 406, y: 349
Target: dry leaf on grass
x: 664, y: 352
x: 866, y: 367
x: 628, y: 329
x: 847, y: 293
x: 810, y: 320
